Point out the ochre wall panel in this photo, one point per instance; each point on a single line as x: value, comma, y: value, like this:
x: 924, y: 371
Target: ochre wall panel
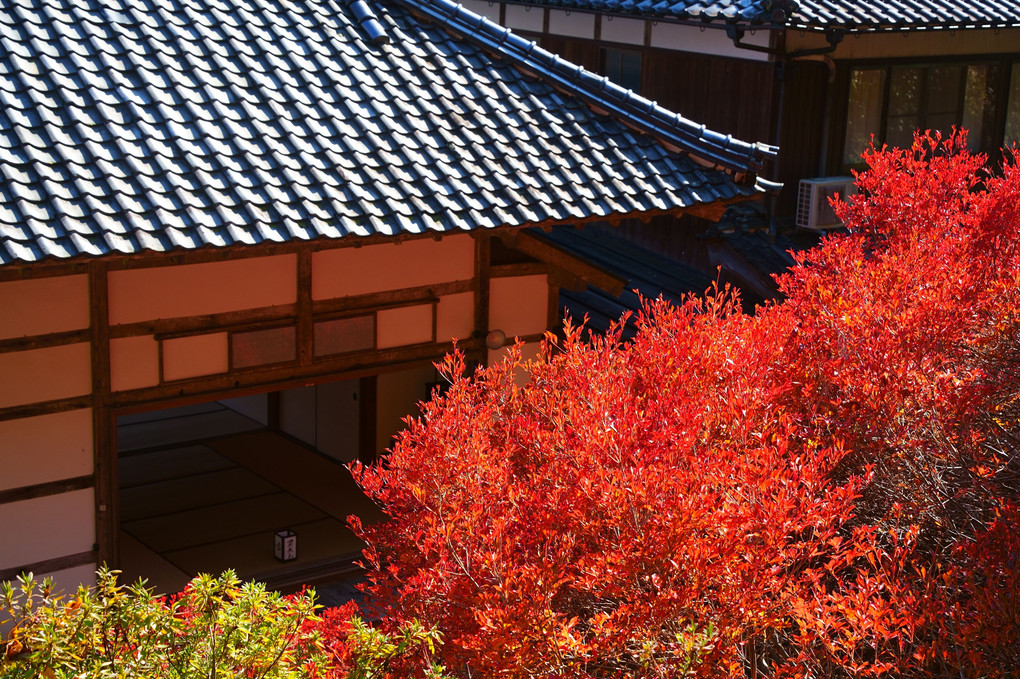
x: 198, y: 289
x: 194, y: 356
x: 43, y: 305
x: 134, y: 362
x: 455, y: 316
x: 519, y: 305
x: 403, y: 325
x: 45, y: 448
x: 391, y: 266
x: 45, y: 374
x: 47, y: 527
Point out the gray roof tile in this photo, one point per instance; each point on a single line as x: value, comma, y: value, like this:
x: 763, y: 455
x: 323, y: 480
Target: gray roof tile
x: 851, y: 15
x: 140, y: 126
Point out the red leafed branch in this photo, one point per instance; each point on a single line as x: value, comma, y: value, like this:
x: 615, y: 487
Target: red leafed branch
x: 822, y: 489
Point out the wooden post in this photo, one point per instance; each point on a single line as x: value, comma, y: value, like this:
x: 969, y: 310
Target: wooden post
x: 104, y: 434
x: 482, y: 266
x: 305, y: 329
x: 368, y: 394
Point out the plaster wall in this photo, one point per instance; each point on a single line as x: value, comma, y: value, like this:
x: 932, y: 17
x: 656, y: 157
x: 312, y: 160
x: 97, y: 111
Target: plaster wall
x: 198, y: 289
x: 47, y: 527
x: 134, y: 362
x: 297, y: 413
x: 490, y: 10
x: 455, y: 316
x: 528, y: 351
x: 67, y: 580
x: 392, y: 266
x: 624, y: 31
x: 255, y: 406
x: 40, y: 306
x: 325, y: 416
x: 45, y: 448
x: 525, y: 17
x: 337, y: 412
x: 45, y: 374
x: 194, y: 356
x: 573, y: 24
x: 398, y: 394
x: 708, y: 41
x: 403, y: 326
x: 519, y: 305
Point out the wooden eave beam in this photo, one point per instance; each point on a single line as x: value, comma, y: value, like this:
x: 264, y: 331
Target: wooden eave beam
x: 557, y: 257
x: 715, y: 210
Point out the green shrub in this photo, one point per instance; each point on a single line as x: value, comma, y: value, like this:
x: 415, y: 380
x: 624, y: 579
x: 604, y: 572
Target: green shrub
x: 217, y: 627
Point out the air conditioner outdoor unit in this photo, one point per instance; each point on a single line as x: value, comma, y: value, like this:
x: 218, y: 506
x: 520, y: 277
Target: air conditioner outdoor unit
x: 813, y: 209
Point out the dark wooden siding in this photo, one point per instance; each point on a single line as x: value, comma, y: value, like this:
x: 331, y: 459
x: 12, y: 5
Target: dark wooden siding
x: 585, y: 53
x: 802, y: 129
x: 731, y: 96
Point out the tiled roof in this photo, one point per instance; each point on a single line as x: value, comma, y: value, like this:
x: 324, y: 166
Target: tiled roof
x: 851, y: 15
x: 742, y: 11
x: 154, y: 125
x: 896, y: 14
x: 648, y: 275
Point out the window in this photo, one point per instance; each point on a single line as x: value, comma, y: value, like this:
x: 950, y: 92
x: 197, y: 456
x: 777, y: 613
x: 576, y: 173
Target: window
x: 623, y: 67
x: 1013, y: 109
x: 890, y: 102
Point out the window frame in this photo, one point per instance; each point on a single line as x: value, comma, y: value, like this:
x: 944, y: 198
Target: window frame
x: 613, y: 51
x: 1005, y: 62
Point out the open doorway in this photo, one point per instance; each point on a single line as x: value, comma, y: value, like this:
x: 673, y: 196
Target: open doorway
x: 205, y: 487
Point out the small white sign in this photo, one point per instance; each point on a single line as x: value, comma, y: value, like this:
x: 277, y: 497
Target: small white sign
x: 285, y: 545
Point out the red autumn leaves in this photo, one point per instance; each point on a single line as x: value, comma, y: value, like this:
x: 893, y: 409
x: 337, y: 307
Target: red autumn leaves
x: 825, y: 488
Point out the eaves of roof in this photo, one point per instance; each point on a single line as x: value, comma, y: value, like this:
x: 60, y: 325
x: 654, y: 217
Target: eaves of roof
x: 132, y: 127
x: 850, y: 16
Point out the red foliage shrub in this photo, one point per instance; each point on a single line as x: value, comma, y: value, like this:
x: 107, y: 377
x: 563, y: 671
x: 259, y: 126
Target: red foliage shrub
x: 821, y: 489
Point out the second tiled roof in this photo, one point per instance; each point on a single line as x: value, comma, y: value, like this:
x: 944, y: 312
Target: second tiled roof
x: 815, y: 14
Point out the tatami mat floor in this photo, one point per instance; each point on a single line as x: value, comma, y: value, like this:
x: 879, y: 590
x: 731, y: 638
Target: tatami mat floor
x: 204, y: 488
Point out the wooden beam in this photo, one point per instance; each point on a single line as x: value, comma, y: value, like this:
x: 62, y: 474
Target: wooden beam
x: 389, y: 298
x: 518, y: 269
x: 554, y: 314
x: 49, y: 269
x: 49, y: 565
x: 555, y: 256
x: 282, y: 376
x: 166, y: 328
x: 59, y: 405
x: 567, y: 281
x: 44, y: 489
x: 272, y: 315
x: 715, y: 210
x: 54, y: 339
